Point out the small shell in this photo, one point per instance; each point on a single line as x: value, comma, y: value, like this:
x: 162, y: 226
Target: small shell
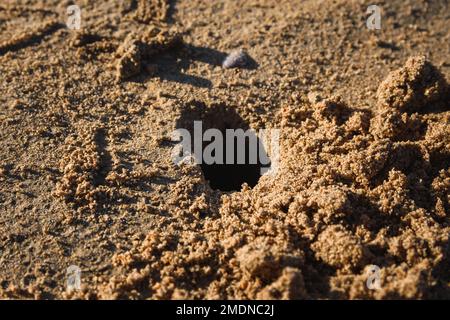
x: 237, y: 58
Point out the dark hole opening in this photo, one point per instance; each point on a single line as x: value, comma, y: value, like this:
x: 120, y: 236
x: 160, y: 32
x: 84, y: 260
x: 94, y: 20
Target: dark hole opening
x: 229, y: 177
x: 231, y: 174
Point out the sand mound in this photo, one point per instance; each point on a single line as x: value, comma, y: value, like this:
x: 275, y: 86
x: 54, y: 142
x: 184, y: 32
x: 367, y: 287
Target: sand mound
x: 138, y: 47
x: 413, y: 87
x: 353, y: 190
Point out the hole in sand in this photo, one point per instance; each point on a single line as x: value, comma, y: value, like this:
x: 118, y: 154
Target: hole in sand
x: 233, y: 158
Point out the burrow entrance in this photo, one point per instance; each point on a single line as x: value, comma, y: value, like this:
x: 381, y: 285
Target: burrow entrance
x: 226, y: 176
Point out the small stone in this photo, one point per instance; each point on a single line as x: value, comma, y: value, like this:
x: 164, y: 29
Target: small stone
x: 236, y: 59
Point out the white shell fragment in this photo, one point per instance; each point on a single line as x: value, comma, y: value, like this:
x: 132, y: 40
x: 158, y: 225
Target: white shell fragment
x: 237, y: 58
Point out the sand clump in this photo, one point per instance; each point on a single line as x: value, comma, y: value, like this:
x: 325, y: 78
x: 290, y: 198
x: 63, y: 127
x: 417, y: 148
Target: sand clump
x: 339, y: 248
x: 148, y: 11
x: 413, y: 87
x: 80, y: 166
x: 137, y: 48
x: 262, y: 260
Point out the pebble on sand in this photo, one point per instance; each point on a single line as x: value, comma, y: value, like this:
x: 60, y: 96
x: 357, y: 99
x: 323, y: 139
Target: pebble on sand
x: 236, y: 59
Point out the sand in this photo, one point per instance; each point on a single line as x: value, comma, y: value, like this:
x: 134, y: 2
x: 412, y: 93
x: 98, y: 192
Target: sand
x: 87, y: 177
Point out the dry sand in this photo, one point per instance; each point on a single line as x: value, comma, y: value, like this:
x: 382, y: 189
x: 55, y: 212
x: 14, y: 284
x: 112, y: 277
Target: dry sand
x: 87, y: 178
